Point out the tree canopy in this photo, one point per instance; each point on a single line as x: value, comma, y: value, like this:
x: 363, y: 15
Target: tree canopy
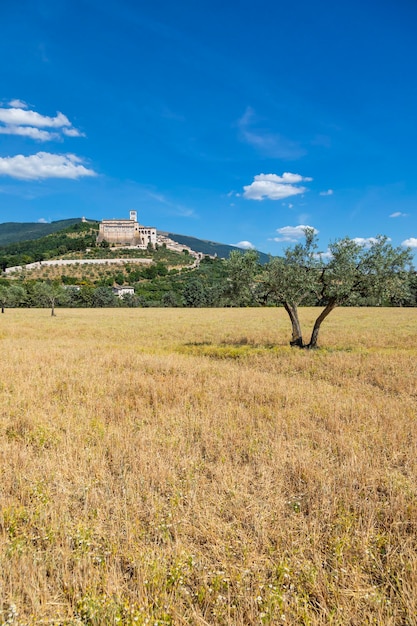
x: 352, y: 273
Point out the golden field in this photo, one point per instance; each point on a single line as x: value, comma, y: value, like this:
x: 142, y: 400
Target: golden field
x: 185, y: 466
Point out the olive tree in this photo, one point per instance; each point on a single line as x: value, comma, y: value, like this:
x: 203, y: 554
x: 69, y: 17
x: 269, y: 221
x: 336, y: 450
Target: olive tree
x: 240, y: 289
x: 11, y: 295
x: 352, y: 274
x: 50, y: 294
x: 4, y: 297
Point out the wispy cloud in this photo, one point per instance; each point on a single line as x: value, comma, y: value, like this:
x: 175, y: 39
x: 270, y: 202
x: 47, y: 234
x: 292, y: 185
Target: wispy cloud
x: 398, y: 214
x: 329, y: 192
x: 274, y: 187
x: 410, y: 243
x: 177, y: 209
x: 44, y: 165
x: 19, y: 120
x: 267, y: 143
x: 19, y: 104
x: 292, y: 233
x: 28, y: 131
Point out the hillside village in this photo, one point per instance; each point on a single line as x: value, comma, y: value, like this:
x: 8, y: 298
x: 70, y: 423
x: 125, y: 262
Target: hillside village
x: 119, y: 234
x: 121, y: 262
x: 119, y: 258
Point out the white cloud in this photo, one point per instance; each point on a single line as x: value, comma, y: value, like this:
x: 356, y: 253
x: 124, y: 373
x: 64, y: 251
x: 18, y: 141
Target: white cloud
x: 410, y: 243
x: 42, y: 220
x: 19, y: 104
x: 18, y: 117
x: 28, y: 131
x: 324, y: 255
x: 18, y: 120
x: 398, y: 214
x: 367, y: 242
x: 329, y: 192
x: 72, y: 132
x: 246, y: 245
x: 274, y: 187
x: 292, y: 233
x: 44, y: 165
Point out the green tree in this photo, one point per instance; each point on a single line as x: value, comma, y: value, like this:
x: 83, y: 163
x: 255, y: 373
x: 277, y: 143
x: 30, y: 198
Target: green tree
x: 241, y: 272
x: 353, y: 274
x: 193, y: 294
x: 50, y: 294
x: 169, y: 299
x: 17, y: 295
x: 104, y: 297
x: 4, y: 297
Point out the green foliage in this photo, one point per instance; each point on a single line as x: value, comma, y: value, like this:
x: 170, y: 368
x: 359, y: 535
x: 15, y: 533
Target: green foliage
x: 75, y: 238
x: 354, y: 274
x: 11, y: 232
x: 104, y: 297
x: 193, y: 294
x: 169, y: 299
x: 295, y: 277
x: 49, y: 292
x: 241, y: 270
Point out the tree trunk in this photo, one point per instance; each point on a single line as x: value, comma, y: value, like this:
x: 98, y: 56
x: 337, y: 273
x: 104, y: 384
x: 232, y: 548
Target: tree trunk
x: 314, y: 335
x: 53, y: 308
x: 2, y: 308
x: 297, y: 338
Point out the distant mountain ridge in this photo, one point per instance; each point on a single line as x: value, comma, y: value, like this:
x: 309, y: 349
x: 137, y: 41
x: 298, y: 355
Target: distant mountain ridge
x: 13, y: 232
x: 211, y: 248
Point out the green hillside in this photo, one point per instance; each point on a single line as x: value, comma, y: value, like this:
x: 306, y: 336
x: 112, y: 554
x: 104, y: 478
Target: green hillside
x: 74, y: 238
x: 11, y: 232
x: 17, y: 232
x: 210, y: 247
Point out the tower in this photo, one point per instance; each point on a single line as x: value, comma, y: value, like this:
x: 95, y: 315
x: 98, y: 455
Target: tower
x: 133, y: 216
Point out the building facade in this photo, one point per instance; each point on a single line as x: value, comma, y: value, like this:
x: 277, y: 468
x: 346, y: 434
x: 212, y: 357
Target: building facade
x: 127, y: 232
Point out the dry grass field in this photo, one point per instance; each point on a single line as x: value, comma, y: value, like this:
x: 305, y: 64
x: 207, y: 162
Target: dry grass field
x: 187, y: 467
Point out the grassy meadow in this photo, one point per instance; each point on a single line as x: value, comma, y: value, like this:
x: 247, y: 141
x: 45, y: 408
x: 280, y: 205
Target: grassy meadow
x: 187, y: 467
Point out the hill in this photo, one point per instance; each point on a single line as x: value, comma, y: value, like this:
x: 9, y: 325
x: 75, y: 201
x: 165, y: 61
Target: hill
x: 17, y: 232
x: 74, y: 238
x: 210, y: 247
x: 12, y: 232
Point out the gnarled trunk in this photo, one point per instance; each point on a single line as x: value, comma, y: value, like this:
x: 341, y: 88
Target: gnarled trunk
x: 325, y: 312
x: 297, y: 338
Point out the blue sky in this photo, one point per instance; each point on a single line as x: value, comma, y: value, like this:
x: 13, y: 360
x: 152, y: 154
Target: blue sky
x: 230, y: 121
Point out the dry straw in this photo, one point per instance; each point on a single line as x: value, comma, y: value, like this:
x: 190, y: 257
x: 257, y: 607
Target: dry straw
x: 187, y: 467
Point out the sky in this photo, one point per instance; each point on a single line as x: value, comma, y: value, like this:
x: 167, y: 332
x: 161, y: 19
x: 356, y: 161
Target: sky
x: 233, y: 121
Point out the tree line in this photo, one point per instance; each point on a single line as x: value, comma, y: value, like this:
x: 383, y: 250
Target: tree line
x: 350, y: 274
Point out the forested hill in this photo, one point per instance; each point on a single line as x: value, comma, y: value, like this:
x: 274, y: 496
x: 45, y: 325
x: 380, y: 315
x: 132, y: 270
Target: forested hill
x: 16, y: 232
x: 76, y: 237
x: 210, y: 247
x: 11, y: 232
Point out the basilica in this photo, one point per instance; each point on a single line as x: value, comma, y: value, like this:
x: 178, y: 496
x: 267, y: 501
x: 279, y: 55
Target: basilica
x: 127, y: 232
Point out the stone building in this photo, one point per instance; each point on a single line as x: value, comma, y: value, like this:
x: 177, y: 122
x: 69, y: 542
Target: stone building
x: 127, y: 232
